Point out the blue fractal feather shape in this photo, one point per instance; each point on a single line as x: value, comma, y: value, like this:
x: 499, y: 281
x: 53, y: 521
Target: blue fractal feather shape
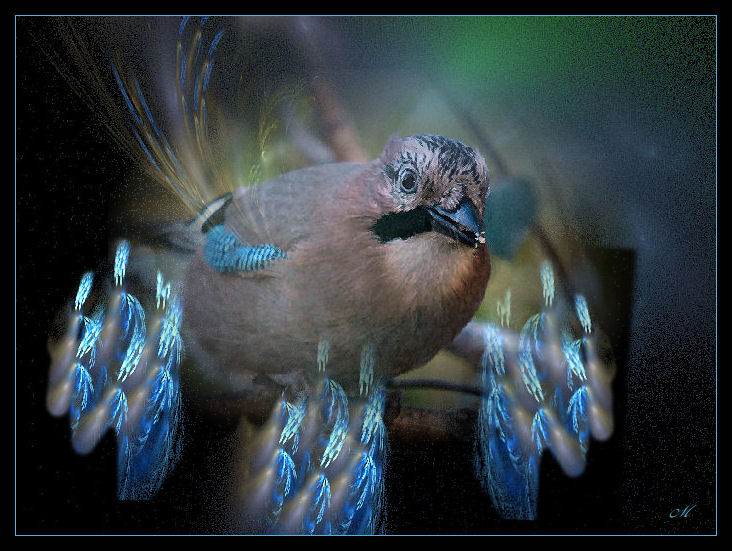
x: 537, y: 396
x: 124, y: 377
x: 322, y: 467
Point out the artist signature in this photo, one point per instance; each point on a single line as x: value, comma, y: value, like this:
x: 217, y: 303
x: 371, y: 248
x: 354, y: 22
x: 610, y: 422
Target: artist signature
x: 676, y: 513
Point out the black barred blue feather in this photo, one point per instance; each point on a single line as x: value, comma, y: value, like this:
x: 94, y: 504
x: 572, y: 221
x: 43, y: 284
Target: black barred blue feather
x: 224, y: 253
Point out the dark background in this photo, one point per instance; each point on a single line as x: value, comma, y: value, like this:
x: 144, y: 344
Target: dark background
x: 626, y: 111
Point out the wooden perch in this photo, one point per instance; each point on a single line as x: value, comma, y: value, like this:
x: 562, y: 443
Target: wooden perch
x: 404, y: 423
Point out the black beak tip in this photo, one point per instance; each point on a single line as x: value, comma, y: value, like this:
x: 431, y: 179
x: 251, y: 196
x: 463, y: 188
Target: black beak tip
x: 462, y: 224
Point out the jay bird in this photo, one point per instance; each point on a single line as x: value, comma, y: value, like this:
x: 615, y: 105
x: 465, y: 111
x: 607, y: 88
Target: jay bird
x: 314, y: 289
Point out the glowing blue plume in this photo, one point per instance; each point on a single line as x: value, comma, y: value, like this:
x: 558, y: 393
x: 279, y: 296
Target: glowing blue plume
x: 294, y: 415
x: 527, y: 344
x: 335, y: 413
x: 373, y: 430
x: 162, y: 291
x: 539, y: 430
x: 575, y: 367
x: 577, y: 411
x: 493, y: 354
x: 92, y: 329
x: 502, y: 465
x: 84, y: 289
x: 170, y: 343
x: 325, y: 473
x: 123, y: 377
x: 82, y: 393
x: 547, y: 283
x: 120, y: 262
x: 583, y: 313
x: 538, y: 395
x: 118, y: 406
x: 285, y: 477
x: 319, y: 503
x: 134, y: 325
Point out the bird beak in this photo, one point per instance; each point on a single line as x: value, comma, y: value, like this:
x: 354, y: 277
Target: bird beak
x: 461, y: 224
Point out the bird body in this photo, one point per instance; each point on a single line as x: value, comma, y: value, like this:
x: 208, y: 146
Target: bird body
x: 312, y: 289
x: 399, y: 298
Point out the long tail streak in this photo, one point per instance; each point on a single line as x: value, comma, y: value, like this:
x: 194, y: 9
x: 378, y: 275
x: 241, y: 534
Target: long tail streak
x: 192, y: 128
x: 188, y: 167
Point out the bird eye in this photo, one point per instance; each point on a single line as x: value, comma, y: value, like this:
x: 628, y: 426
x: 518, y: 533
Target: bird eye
x: 408, y: 181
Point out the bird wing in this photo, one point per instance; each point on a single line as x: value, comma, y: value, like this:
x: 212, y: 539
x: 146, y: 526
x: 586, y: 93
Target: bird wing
x: 289, y: 208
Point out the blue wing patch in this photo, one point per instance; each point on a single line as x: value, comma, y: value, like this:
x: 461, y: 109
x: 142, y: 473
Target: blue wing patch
x: 224, y: 253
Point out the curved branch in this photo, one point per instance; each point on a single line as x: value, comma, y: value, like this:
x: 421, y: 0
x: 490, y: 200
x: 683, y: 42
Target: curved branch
x: 339, y: 130
x: 404, y: 423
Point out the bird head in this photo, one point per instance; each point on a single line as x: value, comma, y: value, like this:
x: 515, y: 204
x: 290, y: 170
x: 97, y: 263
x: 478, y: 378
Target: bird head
x: 432, y: 183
